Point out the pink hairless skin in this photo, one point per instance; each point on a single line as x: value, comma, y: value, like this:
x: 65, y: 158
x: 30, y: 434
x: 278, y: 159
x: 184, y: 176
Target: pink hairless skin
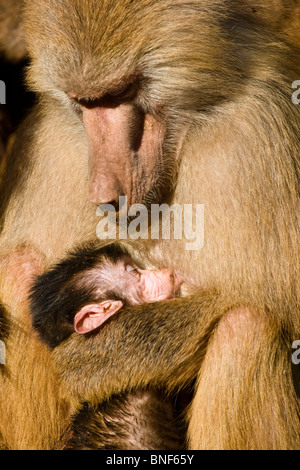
x: 137, y: 286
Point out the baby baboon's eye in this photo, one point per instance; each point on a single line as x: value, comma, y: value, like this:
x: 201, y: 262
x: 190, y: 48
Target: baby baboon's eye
x: 131, y: 268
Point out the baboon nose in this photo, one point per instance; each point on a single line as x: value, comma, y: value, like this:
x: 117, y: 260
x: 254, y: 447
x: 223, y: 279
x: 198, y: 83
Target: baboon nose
x: 106, y: 196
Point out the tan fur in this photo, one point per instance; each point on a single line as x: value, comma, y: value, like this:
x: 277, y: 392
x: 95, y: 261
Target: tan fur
x: 242, y: 355
x: 12, y: 41
x: 282, y: 15
x: 224, y: 79
x: 5, y: 130
x: 26, y: 365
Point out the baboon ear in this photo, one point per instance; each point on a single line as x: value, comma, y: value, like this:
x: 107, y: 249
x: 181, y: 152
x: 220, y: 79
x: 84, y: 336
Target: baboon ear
x: 90, y: 317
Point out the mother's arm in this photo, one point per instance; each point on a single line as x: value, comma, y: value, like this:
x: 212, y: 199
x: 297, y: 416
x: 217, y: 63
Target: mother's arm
x: 159, y: 344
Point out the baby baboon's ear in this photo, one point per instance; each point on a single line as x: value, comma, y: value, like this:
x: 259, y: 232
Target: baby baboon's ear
x: 91, y: 317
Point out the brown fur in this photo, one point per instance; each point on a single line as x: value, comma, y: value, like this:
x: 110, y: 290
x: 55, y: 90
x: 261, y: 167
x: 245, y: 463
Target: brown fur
x: 20, y: 369
x: 136, y: 421
x: 5, y: 130
x: 282, y: 15
x: 12, y: 41
x: 225, y: 82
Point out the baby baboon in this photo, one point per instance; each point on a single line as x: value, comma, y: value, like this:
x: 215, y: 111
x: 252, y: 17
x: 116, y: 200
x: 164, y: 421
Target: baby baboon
x: 80, y: 294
